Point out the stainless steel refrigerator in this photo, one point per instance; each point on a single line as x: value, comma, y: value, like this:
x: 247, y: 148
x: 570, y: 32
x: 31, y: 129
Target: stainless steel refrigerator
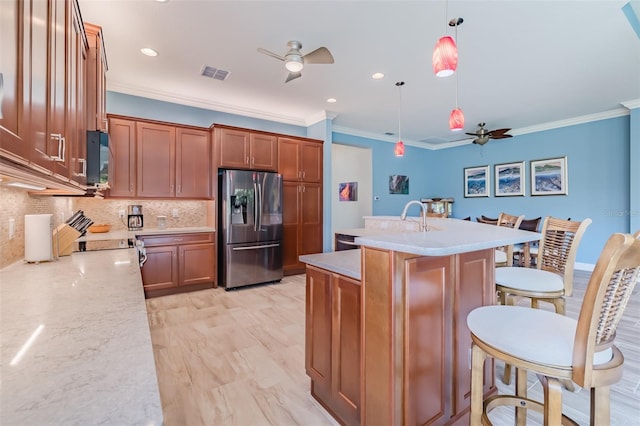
x: 250, y: 227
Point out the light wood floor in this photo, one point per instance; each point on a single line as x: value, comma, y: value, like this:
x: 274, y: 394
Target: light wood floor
x: 237, y: 358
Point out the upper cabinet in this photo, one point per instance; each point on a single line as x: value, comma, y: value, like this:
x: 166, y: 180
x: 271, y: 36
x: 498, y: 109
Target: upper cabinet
x: 300, y: 159
x: 96, y: 79
x: 158, y: 160
x: 43, y: 84
x: 245, y: 149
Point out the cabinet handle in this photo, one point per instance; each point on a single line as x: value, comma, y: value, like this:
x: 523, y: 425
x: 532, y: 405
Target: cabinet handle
x: 246, y: 160
x: 304, y: 174
x: 177, y: 239
x: 131, y: 188
x: 171, y: 189
x: 61, y: 147
x: 84, y: 166
x: 179, y: 189
x: 106, y: 125
x: 304, y: 189
x: 253, y: 160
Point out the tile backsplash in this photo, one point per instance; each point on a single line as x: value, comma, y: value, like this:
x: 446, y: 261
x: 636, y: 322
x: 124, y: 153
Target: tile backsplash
x: 15, y: 203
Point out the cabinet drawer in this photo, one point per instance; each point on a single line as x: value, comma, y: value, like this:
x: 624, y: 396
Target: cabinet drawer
x: 176, y: 239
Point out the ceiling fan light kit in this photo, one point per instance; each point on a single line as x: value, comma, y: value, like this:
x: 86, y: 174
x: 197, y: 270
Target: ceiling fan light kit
x: 293, y: 63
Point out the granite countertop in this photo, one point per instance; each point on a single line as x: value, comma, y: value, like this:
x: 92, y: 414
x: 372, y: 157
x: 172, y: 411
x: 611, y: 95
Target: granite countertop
x: 346, y: 262
x: 91, y: 360
x: 125, y: 234
x: 448, y: 236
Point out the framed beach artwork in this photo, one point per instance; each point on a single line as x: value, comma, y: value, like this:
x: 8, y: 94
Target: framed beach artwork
x: 476, y: 181
x: 509, y: 179
x: 398, y: 184
x: 549, y: 177
x: 348, y: 191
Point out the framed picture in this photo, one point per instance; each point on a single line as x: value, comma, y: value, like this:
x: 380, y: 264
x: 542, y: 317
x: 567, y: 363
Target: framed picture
x: 476, y: 181
x: 398, y: 184
x: 509, y: 179
x: 348, y: 191
x: 549, y: 177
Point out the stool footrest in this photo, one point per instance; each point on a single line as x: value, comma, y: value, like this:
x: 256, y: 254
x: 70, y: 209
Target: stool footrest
x: 517, y: 402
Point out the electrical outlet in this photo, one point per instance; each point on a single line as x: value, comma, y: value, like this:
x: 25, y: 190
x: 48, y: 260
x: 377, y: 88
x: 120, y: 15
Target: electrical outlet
x: 121, y: 214
x: 12, y: 228
x: 175, y: 213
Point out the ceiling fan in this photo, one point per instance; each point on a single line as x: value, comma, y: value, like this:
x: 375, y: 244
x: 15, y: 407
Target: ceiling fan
x: 483, y: 135
x: 294, y: 60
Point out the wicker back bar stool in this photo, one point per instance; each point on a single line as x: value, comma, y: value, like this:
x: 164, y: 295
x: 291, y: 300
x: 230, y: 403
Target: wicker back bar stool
x: 583, y: 349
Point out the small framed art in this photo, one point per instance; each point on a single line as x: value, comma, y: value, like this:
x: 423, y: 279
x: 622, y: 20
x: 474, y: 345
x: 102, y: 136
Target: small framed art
x: 549, y: 177
x: 509, y: 179
x: 476, y: 181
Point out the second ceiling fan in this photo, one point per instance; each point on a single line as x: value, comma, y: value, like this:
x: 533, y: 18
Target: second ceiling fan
x: 294, y: 60
x: 483, y: 135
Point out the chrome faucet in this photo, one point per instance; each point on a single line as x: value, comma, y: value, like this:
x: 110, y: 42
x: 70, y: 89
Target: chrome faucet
x: 403, y: 216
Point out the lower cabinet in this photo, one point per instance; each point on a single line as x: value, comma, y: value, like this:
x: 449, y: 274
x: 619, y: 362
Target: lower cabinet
x: 178, y: 262
x: 332, y: 342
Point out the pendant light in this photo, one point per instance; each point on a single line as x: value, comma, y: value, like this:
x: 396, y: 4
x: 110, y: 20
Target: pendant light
x: 445, y: 54
x: 456, y: 118
x: 398, y: 150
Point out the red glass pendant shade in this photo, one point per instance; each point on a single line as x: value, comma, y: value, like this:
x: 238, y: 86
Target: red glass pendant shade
x: 456, y: 120
x: 445, y: 57
x: 398, y: 150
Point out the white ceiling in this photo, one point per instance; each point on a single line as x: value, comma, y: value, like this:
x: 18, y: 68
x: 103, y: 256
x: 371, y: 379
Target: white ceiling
x: 521, y: 63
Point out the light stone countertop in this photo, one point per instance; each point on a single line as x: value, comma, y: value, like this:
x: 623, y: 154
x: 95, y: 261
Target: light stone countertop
x: 346, y: 262
x: 448, y: 236
x: 92, y: 361
x: 123, y: 235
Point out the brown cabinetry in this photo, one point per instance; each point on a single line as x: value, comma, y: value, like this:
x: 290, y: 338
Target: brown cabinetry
x: 158, y: 160
x: 300, y: 163
x: 332, y: 342
x: 43, y: 75
x: 178, y: 262
x: 245, y: 149
x: 96, y: 79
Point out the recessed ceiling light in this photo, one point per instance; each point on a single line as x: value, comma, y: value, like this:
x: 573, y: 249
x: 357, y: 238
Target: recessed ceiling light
x: 377, y: 76
x: 148, y: 51
x: 162, y: 1
x: 332, y: 100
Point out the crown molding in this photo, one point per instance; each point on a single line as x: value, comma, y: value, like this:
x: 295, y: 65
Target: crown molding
x: 618, y: 112
x: 631, y: 104
x: 115, y: 86
x: 320, y: 116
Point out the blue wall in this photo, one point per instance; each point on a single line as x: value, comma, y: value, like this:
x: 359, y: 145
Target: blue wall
x: 602, y: 156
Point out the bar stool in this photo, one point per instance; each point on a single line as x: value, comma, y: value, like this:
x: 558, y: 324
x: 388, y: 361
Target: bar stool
x: 583, y: 349
x: 504, y: 255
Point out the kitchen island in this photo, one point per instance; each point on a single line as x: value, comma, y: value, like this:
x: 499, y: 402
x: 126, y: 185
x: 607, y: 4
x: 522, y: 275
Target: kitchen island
x: 416, y: 289
x: 76, y: 347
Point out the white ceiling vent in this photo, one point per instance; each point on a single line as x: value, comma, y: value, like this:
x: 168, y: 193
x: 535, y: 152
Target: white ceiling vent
x: 215, y: 73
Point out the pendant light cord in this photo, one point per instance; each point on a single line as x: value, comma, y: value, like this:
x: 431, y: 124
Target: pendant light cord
x: 400, y: 84
x: 458, y: 68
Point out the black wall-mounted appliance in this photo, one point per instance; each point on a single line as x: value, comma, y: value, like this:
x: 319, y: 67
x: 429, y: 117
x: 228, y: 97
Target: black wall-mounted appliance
x: 97, y: 158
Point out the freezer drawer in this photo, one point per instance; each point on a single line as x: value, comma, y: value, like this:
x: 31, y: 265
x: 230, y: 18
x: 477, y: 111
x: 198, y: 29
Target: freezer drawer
x: 254, y: 263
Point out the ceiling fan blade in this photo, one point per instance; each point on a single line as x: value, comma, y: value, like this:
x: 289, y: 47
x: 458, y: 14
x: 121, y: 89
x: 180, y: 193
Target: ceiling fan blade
x: 471, y: 134
x: 319, y: 56
x: 499, y: 133
x: 268, y: 53
x: 293, y: 76
x: 501, y: 136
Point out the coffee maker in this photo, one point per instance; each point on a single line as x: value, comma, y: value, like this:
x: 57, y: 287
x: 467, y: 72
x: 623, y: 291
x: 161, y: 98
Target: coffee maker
x: 134, y: 217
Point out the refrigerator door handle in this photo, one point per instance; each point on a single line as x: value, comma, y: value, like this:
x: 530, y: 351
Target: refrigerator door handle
x: 256, y: 208
x: 259, y: 217
x: 255, y: 247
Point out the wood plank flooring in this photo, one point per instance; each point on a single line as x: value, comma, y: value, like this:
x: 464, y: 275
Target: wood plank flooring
x: 237, y: 358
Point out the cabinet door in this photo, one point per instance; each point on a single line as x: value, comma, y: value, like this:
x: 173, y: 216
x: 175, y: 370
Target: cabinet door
x: 310, y: 218
x: 156, y: 152
x: 288, y: 158
x: 318, y: 331
x: 58, y: 96
x: 161, y: 268
x: 197, y: 264
x: 311, y: 162
x: 290, y: 228
x: 193, y: 163
x: 36, y: 78
x: 232, y: 148
x: 263, y: 151
x: 96, y: 77
x: 122, y: 158
x: 346, y: 348
x: 12, y: 102
x: 77, y: 130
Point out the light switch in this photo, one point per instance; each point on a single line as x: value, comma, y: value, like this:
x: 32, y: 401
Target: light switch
x: 175, y: 213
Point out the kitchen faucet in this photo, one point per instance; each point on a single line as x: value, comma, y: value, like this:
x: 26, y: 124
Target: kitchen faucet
x: 423, y: 206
